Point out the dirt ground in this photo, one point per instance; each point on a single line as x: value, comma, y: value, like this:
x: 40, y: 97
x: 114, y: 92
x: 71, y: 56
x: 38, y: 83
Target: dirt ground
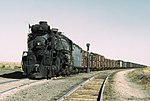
x: 128, y: 85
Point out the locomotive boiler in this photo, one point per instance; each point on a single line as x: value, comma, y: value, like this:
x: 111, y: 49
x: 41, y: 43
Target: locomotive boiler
x: 49, y: 52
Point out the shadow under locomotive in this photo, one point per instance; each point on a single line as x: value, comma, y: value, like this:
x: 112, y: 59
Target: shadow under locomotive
x: 14, y: 75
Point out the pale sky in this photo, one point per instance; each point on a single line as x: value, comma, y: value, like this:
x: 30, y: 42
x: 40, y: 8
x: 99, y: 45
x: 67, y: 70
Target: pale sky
x: 117, y: 29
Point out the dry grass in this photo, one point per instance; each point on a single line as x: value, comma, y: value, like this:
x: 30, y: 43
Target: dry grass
x: 10, y: 65
x: 147, y: 70
x: 141, y: 76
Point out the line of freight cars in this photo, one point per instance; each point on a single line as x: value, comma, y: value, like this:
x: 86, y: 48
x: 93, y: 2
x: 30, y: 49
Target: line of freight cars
x: 97, y: 61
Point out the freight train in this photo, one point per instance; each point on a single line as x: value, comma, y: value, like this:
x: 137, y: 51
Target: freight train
x: 52, y: 54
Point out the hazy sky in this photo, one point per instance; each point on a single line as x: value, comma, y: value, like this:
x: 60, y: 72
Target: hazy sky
x: 117, y: 29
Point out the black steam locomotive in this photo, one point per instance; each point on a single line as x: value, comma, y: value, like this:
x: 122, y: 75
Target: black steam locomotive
x: 49, y: 52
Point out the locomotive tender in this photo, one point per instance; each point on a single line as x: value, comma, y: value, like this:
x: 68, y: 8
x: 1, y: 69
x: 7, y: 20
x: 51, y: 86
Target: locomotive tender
x: 50, y: 54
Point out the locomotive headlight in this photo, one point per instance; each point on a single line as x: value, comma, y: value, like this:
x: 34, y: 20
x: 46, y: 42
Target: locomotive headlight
x: 38, y: 43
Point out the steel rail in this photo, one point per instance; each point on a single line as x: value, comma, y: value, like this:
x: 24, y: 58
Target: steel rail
x: 100, y: 97
x: 11, y: 81
x: 17, y: 87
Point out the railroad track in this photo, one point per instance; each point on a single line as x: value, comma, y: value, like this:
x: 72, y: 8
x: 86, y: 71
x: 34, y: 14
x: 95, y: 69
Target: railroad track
x: 89, y: 90
x: 12, y: 86
x: 100, y: 97
x: 9, y: 81
x: 9, y: 87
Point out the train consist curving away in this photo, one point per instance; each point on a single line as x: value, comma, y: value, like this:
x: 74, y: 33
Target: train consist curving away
x: 50, y: 54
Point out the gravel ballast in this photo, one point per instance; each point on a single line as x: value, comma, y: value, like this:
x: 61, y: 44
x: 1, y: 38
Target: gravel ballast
x: 49, y: 91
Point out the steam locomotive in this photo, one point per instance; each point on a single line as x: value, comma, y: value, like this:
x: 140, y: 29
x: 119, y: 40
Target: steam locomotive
x: 49, y: 52
x: 52, y: 54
